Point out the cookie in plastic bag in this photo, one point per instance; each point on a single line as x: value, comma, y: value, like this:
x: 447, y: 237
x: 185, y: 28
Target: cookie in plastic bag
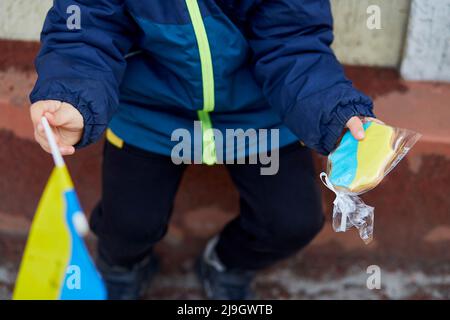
x: 356, y: 167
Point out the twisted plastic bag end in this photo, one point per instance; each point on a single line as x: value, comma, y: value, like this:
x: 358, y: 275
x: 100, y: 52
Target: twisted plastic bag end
x: 350, y: 211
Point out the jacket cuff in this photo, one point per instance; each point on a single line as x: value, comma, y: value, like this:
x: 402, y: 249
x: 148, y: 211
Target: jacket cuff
x: 319, y: 120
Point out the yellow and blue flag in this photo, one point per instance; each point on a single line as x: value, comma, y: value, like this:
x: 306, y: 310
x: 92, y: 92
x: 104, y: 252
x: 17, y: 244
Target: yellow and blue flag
x: 56, y: 263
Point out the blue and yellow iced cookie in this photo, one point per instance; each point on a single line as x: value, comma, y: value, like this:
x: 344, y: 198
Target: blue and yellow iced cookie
x: 360, y: 165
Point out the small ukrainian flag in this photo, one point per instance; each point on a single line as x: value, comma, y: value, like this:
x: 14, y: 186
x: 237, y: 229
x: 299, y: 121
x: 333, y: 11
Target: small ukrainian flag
x: 56, y: 264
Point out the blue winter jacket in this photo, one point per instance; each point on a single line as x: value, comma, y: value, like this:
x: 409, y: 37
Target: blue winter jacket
x: 147, y: 67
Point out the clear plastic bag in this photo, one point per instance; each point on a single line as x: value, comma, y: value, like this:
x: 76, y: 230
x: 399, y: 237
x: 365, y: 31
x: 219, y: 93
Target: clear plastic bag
x: 356, y: 167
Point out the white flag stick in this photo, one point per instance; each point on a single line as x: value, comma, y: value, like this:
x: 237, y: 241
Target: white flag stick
x: 79, y: 219
x: 57, y: 157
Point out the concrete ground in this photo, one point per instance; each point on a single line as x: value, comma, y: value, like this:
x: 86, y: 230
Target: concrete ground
x: 412, y: 225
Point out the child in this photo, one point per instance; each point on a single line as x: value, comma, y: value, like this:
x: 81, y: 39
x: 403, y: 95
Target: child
x: 147, y: 68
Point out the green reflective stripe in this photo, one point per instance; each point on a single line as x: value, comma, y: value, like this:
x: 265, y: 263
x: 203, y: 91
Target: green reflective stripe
x: 209, y: 147
x: 209, y: 152
x: 205, y: 55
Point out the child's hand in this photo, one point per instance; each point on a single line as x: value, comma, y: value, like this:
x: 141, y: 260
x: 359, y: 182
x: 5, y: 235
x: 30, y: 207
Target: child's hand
x: 66, y: 121
x: 355, y: 125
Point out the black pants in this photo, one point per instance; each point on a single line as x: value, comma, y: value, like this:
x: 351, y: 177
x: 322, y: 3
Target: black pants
x: 279, y: 214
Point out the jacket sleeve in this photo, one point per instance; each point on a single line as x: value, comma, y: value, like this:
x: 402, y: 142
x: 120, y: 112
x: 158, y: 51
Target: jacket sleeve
x: 85, y: 66
x: 298, y: 71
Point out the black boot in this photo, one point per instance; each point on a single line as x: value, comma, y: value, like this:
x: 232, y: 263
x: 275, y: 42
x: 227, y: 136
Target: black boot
x: 128, y: 283
x: 220, y: 283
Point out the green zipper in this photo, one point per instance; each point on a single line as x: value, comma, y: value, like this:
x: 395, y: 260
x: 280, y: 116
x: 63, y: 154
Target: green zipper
x: 209, y: 148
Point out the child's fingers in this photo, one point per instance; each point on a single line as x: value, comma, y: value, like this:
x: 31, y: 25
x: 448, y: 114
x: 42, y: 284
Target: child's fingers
x: 67, y: 150
x: 52, y: 106
x: 49, y: 109
x: 56, y: 118
x: 38, y: 109
x: 36, y: 113
x: 373, y: 119
x: 42, y: 141
x: 41, y: 138
x: 356, y: 128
